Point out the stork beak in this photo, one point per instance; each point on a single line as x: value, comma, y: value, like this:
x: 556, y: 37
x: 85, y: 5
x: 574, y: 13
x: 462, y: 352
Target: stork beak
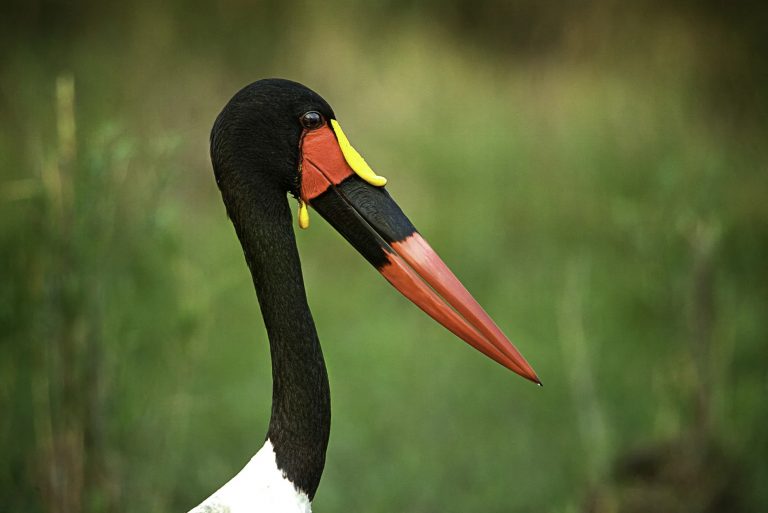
x: 343, y: 189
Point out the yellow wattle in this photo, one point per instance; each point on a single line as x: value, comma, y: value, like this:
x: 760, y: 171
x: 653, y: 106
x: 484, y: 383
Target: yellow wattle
x: 303, y: 215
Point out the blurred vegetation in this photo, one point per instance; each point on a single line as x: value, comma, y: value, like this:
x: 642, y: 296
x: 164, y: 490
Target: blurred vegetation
x: 595, y: 172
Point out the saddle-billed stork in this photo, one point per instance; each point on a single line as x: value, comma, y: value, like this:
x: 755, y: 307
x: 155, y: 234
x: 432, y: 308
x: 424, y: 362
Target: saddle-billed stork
x: 276, y: 137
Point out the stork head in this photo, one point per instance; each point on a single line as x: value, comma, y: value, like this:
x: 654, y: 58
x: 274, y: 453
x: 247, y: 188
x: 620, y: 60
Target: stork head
x: 279, y: 135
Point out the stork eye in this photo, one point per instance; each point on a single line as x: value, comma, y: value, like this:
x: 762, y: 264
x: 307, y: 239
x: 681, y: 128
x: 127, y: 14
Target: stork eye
x: 311, y: 120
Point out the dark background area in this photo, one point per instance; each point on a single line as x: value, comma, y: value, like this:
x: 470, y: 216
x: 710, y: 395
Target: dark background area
x: 595, y: 172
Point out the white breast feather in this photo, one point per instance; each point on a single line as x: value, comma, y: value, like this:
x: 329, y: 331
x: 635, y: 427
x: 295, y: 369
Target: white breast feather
x: 259, y: 488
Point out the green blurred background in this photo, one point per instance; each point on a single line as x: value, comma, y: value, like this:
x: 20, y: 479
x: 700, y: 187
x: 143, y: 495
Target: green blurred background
x: 596, y: 172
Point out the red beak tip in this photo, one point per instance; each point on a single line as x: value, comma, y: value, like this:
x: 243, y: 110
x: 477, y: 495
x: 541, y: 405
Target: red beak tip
x: 533, y: 378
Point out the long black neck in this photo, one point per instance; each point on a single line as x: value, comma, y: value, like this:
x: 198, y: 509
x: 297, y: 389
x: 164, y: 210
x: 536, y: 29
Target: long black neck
x: 301, y: 407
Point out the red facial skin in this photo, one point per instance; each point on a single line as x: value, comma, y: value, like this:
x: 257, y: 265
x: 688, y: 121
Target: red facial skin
x: 322, y: 163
